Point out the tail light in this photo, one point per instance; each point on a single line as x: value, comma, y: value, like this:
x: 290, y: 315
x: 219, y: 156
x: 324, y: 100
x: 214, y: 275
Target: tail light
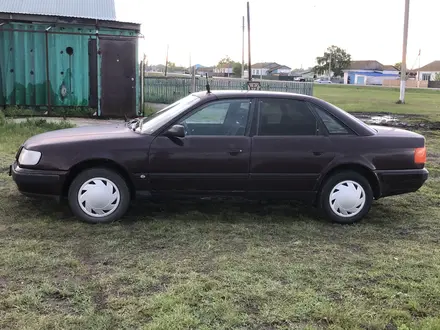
x: 420, y: 155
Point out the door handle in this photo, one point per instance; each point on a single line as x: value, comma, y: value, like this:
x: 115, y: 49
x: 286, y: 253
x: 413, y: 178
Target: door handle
x: 235, y: 152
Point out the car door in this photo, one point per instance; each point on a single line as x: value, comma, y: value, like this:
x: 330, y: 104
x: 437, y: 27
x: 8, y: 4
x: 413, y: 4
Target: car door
x: 289, y: 149
x: 213, y: 157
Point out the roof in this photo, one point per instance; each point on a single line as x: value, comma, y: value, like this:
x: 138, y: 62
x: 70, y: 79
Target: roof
x: 97, y: 9
x: 431, y: 67
x: 269, y: 66
x: 366, y: 65
x: 390, y: 68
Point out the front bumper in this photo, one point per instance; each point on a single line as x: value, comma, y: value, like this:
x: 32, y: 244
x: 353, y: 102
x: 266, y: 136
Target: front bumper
x: 396, y: 182
x: 38, y: 182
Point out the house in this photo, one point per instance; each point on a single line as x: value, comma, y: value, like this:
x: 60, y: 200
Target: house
x: 269, y: 68
x: 369, y: 73
x: 75, y: 54
x: 203, y: 70
x: 224, y: 70
x: 159, y: 68
x: 429, y: 71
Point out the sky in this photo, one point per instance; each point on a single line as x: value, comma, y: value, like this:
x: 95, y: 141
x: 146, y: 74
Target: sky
x: 290, y: 32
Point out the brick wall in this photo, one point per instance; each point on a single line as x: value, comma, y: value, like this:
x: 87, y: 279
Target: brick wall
x: 409, y: 83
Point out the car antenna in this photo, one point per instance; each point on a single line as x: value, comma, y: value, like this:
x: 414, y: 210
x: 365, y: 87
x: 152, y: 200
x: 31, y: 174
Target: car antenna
x: 208, y: 88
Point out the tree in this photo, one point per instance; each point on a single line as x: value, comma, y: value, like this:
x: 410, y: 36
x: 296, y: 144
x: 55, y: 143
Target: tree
x: 437, y: 77
x: 225, y: 62
x: 236, y: 69
x: 398, y: 65
x: 171, y: 66
x: 340, y: 60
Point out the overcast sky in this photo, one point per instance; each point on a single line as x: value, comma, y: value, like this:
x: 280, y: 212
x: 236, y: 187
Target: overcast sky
x: 290, y: 32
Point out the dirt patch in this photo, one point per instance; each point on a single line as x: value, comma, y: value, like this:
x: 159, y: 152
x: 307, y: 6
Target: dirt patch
x: 411, y: 121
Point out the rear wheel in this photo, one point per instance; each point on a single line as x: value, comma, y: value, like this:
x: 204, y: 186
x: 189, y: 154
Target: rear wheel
x: 346, y: 197
x: 99, y: 195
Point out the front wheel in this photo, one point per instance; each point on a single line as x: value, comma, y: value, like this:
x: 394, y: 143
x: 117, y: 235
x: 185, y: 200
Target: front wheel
x: 346, y: 197
x: 99, y: 195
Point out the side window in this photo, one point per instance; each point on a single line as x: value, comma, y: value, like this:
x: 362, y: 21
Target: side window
x: 225, y: 117
x: 331, y: 123
x: 286, y: 117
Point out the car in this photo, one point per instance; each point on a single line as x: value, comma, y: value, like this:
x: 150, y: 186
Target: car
x: 323, y: 81
x: 252, y: 144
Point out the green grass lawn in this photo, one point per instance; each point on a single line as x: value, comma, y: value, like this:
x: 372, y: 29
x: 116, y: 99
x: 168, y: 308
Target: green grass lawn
x: 218, y: 265
x: 424, y: 102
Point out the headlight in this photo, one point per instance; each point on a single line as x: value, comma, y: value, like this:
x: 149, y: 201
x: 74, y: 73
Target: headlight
x: 29, y: 157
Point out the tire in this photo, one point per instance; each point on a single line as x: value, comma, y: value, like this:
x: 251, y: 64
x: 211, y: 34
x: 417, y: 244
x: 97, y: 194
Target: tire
x: 99, y: 195
x: 353, y: 209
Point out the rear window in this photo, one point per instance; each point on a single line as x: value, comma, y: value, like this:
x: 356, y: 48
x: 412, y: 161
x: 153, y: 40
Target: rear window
x: 333, y: 125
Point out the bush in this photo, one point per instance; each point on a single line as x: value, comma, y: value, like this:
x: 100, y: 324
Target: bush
x: 2, y: 118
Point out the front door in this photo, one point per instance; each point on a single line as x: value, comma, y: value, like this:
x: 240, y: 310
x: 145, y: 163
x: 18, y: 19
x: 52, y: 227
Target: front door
x: 213, y: 157
x: 118, y: 77
x: 288, y: 151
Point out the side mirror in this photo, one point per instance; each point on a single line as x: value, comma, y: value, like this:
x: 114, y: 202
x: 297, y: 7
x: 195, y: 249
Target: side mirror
x: 176, y: 131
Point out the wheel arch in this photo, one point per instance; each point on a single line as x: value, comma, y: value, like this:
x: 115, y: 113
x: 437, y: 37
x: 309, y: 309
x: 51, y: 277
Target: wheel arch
x: 361, y: 169
x: 98, y: 162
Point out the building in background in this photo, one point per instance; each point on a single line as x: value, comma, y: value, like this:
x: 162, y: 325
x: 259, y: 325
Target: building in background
x: 57, y: 56
x: 369, y: 73
x: 269, y: 68
x: 429, y: 71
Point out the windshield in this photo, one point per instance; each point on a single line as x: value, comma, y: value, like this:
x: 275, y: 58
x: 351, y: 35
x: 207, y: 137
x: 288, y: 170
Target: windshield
x: 153, y: 122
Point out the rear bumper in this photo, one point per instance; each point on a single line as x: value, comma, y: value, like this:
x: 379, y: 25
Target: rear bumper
x: 38, y: 182
x: 396, y: 182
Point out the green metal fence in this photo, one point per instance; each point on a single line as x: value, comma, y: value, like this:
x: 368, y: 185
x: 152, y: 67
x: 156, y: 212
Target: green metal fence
x: 170, y: 89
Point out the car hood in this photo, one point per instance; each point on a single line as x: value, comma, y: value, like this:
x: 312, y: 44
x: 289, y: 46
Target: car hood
x: 77, y: 134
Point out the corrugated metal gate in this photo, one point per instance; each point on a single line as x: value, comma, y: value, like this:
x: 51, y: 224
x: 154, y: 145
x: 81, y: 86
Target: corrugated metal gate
x: 51, y: 69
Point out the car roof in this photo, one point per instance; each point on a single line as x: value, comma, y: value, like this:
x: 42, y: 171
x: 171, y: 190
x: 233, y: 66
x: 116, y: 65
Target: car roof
x: 247, y: 93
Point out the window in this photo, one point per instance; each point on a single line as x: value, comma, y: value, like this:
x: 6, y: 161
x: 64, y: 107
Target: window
x: 286, y: 117
x: 331, y: 123
x: 426, y: 76
x: 226, y: 117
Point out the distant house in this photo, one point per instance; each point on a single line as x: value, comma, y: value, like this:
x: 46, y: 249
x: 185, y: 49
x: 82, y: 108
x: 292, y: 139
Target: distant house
x: 429, y: 71
x: 224, y: 70
x: 369, y: 73
x: 155, y: 68
x: 306, y: 74
x: 270, y: 68
x: 203, y: 70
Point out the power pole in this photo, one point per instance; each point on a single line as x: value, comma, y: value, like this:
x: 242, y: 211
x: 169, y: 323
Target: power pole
x: 249, y: 42
x: 404, y: 50
x: 330, y: 67
x: 242, y: 52
x: 166, y: 62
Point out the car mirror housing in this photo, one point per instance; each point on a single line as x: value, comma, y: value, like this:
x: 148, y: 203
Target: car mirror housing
x: 176, y: 131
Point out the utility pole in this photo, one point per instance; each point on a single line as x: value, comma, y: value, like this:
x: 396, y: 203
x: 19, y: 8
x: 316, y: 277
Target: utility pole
x: 166, y: 62
x: 404, y: 50
x: 242, y: 52
x: 330, y: 67
x: 249, y: 42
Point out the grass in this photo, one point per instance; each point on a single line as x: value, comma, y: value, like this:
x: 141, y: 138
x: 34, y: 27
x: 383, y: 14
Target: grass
x: 423, y: 102
x: 218, y: 264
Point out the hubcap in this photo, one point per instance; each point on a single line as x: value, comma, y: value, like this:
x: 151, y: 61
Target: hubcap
x: 347, y: 198
x: 99, y: 197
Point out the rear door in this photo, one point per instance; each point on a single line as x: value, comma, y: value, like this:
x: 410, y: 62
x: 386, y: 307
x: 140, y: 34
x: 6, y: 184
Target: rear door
x: 214, y: 155
x: 289, y: 149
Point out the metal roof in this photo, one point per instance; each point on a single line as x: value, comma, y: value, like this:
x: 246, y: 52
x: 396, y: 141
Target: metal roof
x: 91, y: 9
